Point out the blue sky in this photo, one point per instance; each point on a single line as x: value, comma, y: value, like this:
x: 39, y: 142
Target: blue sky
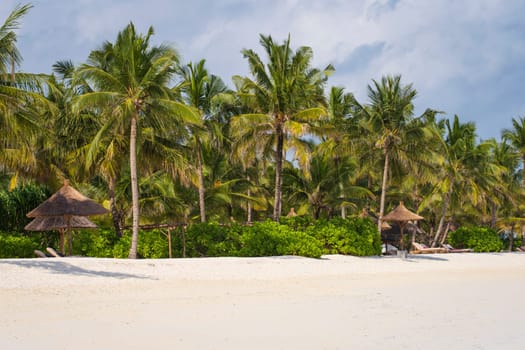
x: 463, y: 57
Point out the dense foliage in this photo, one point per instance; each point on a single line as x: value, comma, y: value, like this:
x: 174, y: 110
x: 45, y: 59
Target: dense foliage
x: 15, y: 204
x: 159, y: 141
x: 354, y: 236
x: 480, y: 239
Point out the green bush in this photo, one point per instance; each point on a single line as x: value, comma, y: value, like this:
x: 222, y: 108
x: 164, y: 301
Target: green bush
x: 121, y: 248
x: 16, y: 246
x: 153, y: 244
x: 479, y: 239
x: 15, y: 204
x: 294, y: 237
x: 211, y: 239
x: 94, y: 243
x: 353, y: 236
x: 272, y: 239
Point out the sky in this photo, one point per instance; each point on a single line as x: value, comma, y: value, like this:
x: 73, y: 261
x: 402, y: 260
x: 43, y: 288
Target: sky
x: 463, y: 57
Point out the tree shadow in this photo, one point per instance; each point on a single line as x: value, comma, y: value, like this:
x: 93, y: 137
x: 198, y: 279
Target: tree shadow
x: 61, y: 266
x: 416, y: 257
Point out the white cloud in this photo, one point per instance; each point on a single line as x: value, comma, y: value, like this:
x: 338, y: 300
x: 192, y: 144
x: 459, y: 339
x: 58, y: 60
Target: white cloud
x: 446, y: 48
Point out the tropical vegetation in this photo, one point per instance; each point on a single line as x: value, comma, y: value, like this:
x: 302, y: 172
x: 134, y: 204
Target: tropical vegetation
x: 168, y: 145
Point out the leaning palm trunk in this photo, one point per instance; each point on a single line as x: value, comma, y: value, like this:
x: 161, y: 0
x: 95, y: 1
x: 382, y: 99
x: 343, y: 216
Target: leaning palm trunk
x: 278, y: 174
x: 442, y: 219
x: 249, y: 204
x: 113, y: 207
x: 383, y: 193
x: 201, y: 183
x: 134, y: 187
x: 343, y: 207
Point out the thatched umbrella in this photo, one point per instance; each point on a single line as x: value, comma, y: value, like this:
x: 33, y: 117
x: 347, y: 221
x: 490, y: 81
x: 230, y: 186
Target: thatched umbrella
x: 49, y: 223
x: 67, y: 203
x: 402, y: 216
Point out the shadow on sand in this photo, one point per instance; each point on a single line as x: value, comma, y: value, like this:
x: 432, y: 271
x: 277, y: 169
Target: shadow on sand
x: 61, y: 266
x: 416, y: 257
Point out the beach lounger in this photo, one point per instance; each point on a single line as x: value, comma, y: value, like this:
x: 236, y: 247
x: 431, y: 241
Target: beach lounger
x: 423, y: 249
x: 39, y: 254
x: 451, y: 249
x: 54, y: 253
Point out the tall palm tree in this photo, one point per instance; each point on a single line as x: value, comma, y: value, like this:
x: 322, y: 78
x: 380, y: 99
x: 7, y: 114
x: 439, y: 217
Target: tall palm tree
x: 287, y: 95
x: 397, y: 133
x: 468, y: 173
x: 516, y: 137
x: 21, y: 99
x: 133, y: 92
x: 199, y: 89
x: 9, y: 54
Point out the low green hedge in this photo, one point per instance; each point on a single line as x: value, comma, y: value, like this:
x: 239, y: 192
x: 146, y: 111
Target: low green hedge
x: 293, y: 236
x: 479, y: 239
x: 16, y: 245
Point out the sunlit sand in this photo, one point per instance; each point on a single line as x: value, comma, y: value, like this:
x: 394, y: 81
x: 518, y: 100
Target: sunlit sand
x: 439, y: 301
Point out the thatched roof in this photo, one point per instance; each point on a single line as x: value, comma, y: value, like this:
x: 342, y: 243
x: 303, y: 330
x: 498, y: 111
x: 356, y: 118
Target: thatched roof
x: 48, y: 223
x: 401, y: 213
x: 67, y: 201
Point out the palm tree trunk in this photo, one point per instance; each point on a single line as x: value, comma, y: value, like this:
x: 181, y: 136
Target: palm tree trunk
x: 278, y: 174
x: 343, y: 207
x: 493, y: 214
x: 443, y: 214
x: 511, y: 238
x: 249, y: 208
x: 445, y: 234
x: 113, y: 207
x: 201, y: 182
x: 383, y: 193
x: 523, y: 171
x: 13, y: 78
x: 134, y: 186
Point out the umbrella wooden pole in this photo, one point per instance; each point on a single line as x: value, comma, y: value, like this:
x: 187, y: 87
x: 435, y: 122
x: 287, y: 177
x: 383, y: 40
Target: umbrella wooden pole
x: 401, y: 240
x: 69, y: 236
x: 170, y: 255
x: 62, y: 241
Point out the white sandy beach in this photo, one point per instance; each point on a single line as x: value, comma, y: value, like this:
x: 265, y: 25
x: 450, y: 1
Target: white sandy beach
x: 443, y: 301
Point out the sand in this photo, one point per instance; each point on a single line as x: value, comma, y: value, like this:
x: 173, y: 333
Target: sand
x: 441, y: 301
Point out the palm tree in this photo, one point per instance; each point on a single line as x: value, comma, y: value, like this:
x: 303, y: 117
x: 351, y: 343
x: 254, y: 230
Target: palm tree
x: 199, y: 90
x: 468, y: 173
x: 322, y: 190
x: 21, y: 100
x: 516, y: 137
x: 287, y: 96
x: 9, y: 54
x: 132, y: 91
x: 397, y: 133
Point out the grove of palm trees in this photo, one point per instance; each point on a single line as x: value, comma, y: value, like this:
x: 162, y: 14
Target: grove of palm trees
x: 165, y: 143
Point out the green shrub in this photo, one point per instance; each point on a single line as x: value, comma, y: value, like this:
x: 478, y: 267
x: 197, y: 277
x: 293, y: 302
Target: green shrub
x: 121, y: 248
x: 15, y: 204
x: 299, y: 223
x: 353, y: 236
x: 480, y: 239
x: 94, y: 243
x: 153, y: 244
x: 273, y: 239
x: 211, y: 239
x: 16, y: 246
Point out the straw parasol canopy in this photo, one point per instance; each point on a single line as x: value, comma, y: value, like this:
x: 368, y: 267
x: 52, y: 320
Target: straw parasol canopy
x: 67, y: 204
x: 402, y: 216
x: 48, y: 223
x: 401, y: 213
